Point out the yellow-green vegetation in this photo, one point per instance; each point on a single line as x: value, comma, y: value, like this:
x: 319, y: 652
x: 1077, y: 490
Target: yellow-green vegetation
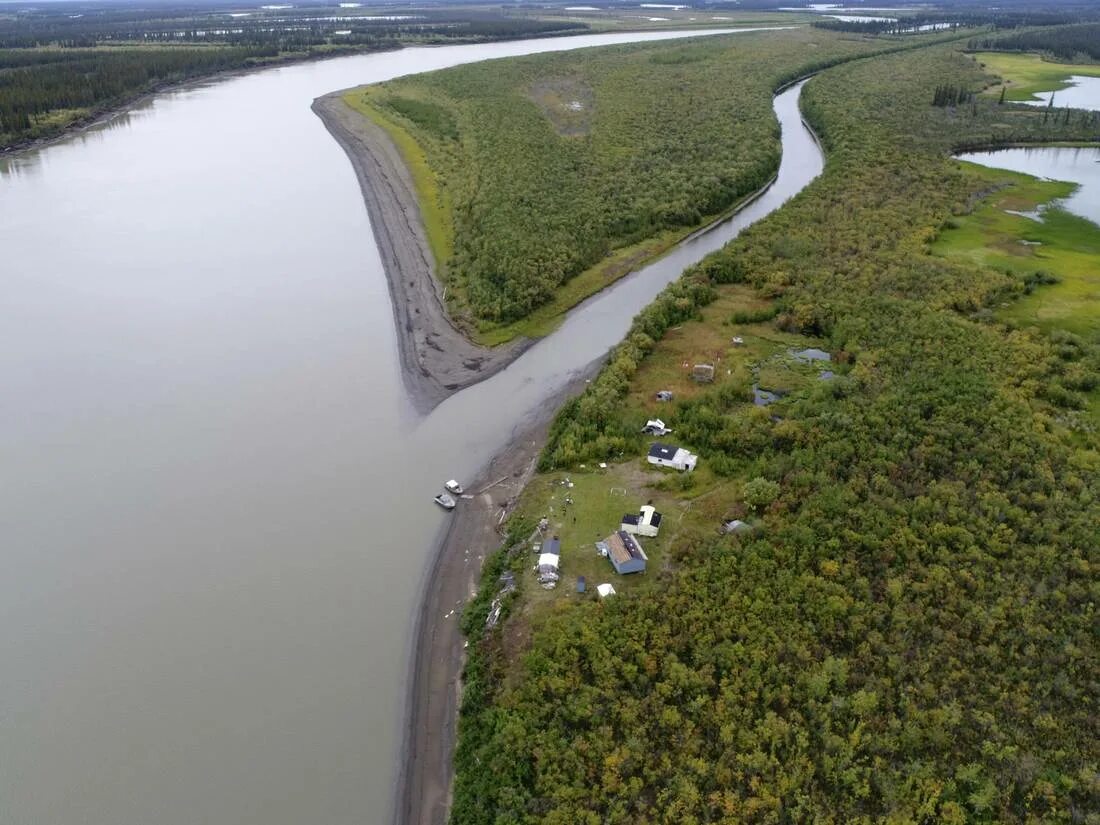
x: 434, y: 203
x: 562, y: 172
x: 1057, y: 254
x: 1058, y: 251
x: 1024, y: 75
x: 909, y: 635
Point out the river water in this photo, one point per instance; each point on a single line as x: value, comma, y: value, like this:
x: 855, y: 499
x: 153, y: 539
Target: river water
x: 1080, y: 165
x: 214, y: 493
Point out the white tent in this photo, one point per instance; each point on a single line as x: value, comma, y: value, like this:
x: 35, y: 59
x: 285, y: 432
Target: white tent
x: 605, y: 590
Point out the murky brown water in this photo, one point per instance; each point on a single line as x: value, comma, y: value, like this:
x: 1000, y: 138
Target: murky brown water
x: 214, y: 496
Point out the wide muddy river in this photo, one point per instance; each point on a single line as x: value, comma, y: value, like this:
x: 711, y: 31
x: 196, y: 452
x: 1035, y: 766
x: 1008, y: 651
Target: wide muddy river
x: 215, y: 497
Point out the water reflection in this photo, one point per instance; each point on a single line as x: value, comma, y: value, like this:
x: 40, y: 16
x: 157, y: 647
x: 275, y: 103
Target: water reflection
x: 1080, y: 165
x: 1084, y: 93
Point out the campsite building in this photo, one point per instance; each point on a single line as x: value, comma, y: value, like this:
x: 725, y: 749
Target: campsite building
x: 548, y: 568
x: 675, y: 457
x: 624, y: 552
x: 646, y: 522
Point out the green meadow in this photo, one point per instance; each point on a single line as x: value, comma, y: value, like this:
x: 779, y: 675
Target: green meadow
x: 1026, y: 74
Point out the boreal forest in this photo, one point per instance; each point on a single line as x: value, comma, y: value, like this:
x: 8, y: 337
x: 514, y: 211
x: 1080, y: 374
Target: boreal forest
x: 546, y: 167
x: 903, y: 627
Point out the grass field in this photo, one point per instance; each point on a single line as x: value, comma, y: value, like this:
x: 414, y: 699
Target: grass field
x: 1027, y: 74
x: 691, y: 503
x: 1064, y: 245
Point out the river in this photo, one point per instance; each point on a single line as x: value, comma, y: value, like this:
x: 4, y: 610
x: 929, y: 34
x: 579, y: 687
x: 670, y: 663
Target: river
x: 214, y: 495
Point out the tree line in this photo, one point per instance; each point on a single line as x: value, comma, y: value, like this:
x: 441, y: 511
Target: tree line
x: 1067, y: 43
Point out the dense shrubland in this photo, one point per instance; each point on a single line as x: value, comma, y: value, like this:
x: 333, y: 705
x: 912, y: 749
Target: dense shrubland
x: 911, y: 638
x: 551, y: 162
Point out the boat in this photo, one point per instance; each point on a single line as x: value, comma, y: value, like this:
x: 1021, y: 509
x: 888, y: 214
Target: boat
x: 445, y: 501
x: 454, y: 487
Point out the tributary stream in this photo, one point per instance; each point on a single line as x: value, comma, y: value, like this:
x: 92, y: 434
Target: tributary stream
x: 215, y: 497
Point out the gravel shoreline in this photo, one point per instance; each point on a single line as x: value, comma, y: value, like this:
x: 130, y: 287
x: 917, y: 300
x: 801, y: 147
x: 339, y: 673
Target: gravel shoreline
x: 423, y: 795
x: 437, y: 359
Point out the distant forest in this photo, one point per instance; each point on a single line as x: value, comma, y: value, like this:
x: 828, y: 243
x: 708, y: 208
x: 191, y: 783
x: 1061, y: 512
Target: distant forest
x: 62, y: 63
x: 1065, y: 43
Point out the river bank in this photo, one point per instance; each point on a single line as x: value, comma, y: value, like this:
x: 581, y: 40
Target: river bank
x: 438, y: 656
x: 436, y: 358
x: 438, y: 653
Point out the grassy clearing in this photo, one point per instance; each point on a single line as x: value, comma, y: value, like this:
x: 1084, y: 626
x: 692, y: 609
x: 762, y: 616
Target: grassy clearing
x: 435, y: 206
x: 709, y: 340
x: 1025, y: 75
x: 1064, y: 245
x: 691, y: 503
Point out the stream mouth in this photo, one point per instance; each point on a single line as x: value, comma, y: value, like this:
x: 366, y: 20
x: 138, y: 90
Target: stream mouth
x: 217, y: 497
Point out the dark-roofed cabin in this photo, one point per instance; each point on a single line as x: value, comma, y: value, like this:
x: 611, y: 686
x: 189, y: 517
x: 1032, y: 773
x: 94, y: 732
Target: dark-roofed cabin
x: 676, y: 457
x: 625, y: 553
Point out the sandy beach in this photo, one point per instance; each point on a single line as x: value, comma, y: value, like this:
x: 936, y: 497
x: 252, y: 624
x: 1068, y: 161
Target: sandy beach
x: 437, y: 359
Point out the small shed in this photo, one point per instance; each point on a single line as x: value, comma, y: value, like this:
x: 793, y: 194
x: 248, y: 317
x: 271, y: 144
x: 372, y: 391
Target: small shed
x: 581, y: 585
x: 664, y: 395
x: 605, y: 590
x: 625, y: 553
x: 703, y: 373
x: 646, y: 522
x: 664, y: 455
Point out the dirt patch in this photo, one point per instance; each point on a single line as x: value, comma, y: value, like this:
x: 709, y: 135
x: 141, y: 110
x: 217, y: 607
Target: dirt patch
x: 568, y: 103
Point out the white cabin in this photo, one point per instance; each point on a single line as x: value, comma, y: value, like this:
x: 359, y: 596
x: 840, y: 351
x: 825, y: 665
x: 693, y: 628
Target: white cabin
x: 675, y: 457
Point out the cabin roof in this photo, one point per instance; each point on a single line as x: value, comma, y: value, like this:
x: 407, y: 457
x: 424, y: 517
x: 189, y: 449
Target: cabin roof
x: 622, y: 547
x: 664, y: 451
